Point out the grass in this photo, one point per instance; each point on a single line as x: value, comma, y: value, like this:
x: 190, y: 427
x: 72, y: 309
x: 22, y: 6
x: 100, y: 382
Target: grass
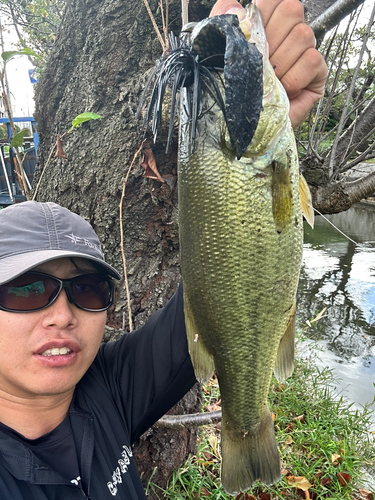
x: 321, y: 438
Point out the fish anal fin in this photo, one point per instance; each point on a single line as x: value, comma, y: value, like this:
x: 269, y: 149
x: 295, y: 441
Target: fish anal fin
x: 284, y: 364
x: 306, y: 201
x: 248, y: 456
x: 202, y: 360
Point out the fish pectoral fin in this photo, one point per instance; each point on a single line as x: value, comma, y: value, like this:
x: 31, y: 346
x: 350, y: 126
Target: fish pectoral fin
x: 306, y: 201
x: 284, y: 364
x: 203, y: 362
x: 282, y: 195
x: 248, y: 455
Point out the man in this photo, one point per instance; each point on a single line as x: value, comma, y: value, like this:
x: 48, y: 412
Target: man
x: 70, y: 408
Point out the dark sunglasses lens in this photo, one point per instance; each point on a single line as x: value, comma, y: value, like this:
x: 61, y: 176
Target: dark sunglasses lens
x: 28, y: 292
x: 91, y: 292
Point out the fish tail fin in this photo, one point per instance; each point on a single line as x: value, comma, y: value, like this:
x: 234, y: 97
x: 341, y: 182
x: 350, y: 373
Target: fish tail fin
x: 203, y: 361
x: 284, y: 364
x: 249, y: 456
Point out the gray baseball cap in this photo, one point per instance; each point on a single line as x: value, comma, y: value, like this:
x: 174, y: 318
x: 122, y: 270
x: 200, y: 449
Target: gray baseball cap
x: 32, y: 233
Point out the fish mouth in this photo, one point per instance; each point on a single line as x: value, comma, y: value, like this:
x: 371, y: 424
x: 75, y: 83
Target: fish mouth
x: 215, y: 46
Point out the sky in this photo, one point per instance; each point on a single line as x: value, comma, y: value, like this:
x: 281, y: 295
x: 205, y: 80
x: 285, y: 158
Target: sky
x: 18, y: 77
x: 20, y: 87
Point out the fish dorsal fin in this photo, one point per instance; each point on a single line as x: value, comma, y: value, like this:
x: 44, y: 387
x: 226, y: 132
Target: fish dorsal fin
x: 306, y: 201
x: 284, y: 364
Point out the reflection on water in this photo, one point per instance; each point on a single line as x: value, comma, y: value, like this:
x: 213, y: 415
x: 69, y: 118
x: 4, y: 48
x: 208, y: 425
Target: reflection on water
x: 340, y: 275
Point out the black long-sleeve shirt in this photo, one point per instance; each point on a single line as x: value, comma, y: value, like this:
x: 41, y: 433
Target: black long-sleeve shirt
x: 129, y: 386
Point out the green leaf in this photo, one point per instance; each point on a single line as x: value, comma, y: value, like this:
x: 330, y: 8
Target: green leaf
x: 17, y: 140
x: 82, y: 118
x: 23, y: 52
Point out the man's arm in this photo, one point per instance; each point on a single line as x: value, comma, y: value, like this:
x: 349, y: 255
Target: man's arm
x: 299, y: 66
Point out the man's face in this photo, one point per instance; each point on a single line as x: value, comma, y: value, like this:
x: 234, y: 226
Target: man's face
x: 24, y: 337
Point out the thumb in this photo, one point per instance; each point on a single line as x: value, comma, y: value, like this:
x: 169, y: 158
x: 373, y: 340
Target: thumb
x: 222, y: 7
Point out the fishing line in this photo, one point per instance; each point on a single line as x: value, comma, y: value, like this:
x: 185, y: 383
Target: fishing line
x: 337, y: 229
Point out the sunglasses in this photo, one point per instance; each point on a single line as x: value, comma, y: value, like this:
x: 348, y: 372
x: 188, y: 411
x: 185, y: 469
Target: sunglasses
x: 35, y: 291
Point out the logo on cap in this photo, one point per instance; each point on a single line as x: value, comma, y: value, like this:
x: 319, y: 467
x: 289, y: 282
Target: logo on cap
x: 78, y: 240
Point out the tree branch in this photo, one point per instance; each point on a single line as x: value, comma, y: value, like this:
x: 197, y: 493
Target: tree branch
x: 362, y: 126
x: 340, y: 196
x: 333, y: 159
x: 332, y: 16
x: 191, y: 420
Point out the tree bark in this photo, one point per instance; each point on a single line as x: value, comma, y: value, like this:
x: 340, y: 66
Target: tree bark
x: 340, y: 196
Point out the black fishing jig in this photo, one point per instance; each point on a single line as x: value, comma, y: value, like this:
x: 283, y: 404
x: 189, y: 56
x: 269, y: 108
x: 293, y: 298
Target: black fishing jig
x: 216, y: 46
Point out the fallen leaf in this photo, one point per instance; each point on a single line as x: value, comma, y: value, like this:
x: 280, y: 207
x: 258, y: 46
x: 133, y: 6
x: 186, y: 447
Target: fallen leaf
x: 273, y: 416
x: 245, y: 496
x: 336, y: 459
x: 279, y: 388
x: 325, y: 481
x: 300, y: 418
x: 208, y: 456
x: 60, y: 153
x: 265, y: 496
x: 214, y: 443
x: 343, y: 478
x: 366, y: 494
x: 299, y: 482
x: 289, y: 440
x: 149, y: 164
x: 213, y: 407
x: 290, y: 426
x: 205, y: 492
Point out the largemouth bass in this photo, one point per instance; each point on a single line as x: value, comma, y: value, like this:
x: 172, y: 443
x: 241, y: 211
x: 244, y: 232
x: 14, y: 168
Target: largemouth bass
x: 241, y: 231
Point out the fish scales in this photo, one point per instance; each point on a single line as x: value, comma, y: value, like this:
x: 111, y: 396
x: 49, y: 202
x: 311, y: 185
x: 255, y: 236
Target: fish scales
x: 241, y: 244
x: 235, y: 268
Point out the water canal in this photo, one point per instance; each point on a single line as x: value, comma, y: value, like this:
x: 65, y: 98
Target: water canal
x: 340, y: 275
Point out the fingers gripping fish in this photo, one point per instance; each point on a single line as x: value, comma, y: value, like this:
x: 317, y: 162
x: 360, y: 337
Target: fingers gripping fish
x: 241, y: 229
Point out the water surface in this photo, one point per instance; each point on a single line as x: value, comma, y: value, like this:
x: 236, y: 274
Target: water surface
x: 340, y: 275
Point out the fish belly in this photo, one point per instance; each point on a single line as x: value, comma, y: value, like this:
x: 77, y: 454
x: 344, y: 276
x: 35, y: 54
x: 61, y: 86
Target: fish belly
x: 241, y: 246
